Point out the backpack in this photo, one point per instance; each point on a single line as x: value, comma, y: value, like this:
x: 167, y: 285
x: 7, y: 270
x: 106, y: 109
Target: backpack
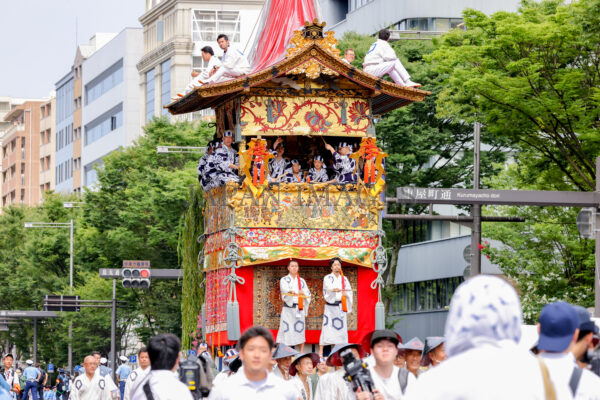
x: 403, y: 378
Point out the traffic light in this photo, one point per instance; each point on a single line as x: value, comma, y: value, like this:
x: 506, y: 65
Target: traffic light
x: 136, y: 278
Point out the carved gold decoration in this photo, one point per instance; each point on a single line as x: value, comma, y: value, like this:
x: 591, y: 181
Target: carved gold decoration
x: 373, y: 164
x: 313, y: 34
x: 307, y: 206
x: 256, y: 156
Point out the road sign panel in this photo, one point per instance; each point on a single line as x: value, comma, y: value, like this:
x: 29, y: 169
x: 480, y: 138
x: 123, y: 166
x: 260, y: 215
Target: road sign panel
x: 111, y: 273
x: 192, y: 353
x: 136, y: 264
x: 412, y: 195
x: 61, y: 303
x: 28, y: 314
x: 50, y: 367
x: 133, y: 358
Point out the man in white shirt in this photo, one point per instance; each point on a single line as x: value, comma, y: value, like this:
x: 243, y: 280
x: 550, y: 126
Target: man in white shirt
x: 386, y: 376
x: 138, y: 374
x: 381, y: 59
x: 559, y: 330
x: 253, y: 381
x: 296, y: 300
x: 91, y: 385
x: 9, y: 374
x: 199, y: 78
x: 161, y: 381
x: 234, y: 63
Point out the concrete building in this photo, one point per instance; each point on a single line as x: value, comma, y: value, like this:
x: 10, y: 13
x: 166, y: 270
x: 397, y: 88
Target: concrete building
x: 20, y: 155
x: 47, y: 152
x: 368, y: 16
x: 111, y: 109
x: 174, y: 33
x: 69, y: 103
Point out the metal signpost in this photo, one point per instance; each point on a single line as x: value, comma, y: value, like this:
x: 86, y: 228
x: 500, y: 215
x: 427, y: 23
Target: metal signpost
x: 589, y: 219
x: 10, y: 316
x: 117, y: 273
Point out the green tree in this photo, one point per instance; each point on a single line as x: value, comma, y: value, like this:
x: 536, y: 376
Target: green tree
x: 545, y: 255
x: 531, y: 76
x: 424, y: 150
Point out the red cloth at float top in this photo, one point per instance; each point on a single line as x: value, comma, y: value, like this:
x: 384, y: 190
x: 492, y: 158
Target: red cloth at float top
x: 281, y: 18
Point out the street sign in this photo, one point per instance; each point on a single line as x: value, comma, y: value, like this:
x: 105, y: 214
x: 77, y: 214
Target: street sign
x: 110, y: 273
x: 50, y: 367
x: 136, y: 264
x: 61, y: 303
x: 412, y: 195
x: 586, y: 225
x: 192, y: 353
x: 28, y: 314
x: 133, y: 358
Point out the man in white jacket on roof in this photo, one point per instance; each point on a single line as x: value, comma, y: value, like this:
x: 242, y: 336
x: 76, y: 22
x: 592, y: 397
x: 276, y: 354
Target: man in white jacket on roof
x: 381, y: 59
x: 234, y: 63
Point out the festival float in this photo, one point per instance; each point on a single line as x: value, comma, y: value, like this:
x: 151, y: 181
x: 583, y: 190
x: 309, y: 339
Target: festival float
x: 302, y: 91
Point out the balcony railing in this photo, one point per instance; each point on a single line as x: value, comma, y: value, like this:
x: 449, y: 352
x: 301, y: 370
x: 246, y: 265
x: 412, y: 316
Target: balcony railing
x: 14, y: 128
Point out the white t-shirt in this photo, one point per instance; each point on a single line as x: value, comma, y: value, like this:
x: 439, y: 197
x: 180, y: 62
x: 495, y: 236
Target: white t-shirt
x: 390, y: 387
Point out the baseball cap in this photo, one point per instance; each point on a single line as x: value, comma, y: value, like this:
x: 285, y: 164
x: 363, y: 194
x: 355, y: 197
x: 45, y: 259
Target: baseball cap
x: 558, y: 322
x: 585, y: 322
x: 384, y: 334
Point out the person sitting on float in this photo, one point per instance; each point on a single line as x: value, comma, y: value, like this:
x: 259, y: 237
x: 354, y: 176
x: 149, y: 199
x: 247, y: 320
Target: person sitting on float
x: 293, y: 175
x: 343, y: 165
x: 234, y: 62
x: 279, y: 165
x: 317, y: 174
x: 198, y: 78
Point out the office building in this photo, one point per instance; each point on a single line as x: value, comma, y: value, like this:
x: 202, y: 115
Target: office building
x: 111, y: 101
x: 369, y: 16
x: 174, y: 33
x: 69, y: 103
x: 20, y: 155
x: 47, y: 152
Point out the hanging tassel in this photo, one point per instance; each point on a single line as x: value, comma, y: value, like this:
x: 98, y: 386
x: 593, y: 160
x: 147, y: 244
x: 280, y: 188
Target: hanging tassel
x: 366, y: 177
x: 262, y: 173
x: 344, y: 116
x: 300, y: 299
x: 233, y: 320
x: 379, y: 316
x: 373, y: 171
x: 270, y: 117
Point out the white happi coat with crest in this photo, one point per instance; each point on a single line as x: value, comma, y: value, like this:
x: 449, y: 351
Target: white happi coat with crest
x: 335, y: 322
x: 292, y: 325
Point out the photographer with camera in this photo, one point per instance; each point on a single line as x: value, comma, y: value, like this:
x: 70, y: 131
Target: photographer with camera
x: 162, y: 383
x: 333, y: 385
x: 583, y: 350
x: 389, y: 381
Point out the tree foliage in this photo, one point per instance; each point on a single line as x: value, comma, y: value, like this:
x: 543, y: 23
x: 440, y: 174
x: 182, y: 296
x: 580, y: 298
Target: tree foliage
x: 531, y: 76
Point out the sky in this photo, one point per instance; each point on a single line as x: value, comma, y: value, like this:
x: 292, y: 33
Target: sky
x: 37, y: 38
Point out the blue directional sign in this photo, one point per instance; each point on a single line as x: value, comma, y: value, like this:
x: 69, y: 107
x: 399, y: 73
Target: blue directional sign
x: 192, y: 353
x: 50, y: 367
x: 133, y: 358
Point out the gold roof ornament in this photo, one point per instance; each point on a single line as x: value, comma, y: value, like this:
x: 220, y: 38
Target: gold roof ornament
x: 313, y: 34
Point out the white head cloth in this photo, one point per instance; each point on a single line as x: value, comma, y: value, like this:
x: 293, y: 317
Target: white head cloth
x: 484, y: 309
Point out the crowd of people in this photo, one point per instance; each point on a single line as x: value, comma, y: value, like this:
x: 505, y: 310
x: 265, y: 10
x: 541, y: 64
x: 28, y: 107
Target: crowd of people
x: 380, y: 60
x: 479, y: 357
x: 220, y: 164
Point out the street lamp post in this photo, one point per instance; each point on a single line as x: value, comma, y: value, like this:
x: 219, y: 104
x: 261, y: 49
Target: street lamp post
x: 70, y: 226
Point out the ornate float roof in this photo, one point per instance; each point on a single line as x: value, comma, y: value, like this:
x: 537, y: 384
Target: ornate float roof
x: 313, y: 55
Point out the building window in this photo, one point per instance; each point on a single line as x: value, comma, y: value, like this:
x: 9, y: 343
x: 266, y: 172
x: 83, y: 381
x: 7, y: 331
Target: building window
x: 149, y: 95
x: 104, y: 125
x: 433, y: 295
x: 429, y: 24
x: 208, y: 24
x: 104, y: 82
x: 165, y: 85
x: 354, y: 4
x: 160, y: 31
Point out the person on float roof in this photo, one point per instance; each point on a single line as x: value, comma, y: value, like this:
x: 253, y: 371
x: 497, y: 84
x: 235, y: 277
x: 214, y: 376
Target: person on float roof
x: 381, y: 59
